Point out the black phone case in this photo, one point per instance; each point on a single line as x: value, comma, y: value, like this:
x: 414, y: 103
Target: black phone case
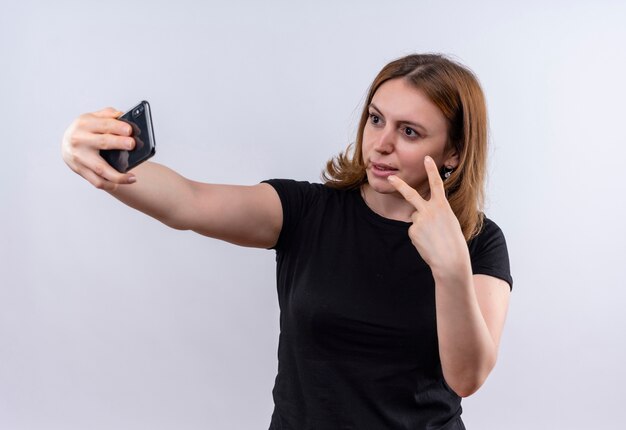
x: 140, y: 120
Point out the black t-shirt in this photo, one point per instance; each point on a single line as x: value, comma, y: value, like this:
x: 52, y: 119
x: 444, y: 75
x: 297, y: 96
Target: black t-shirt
x: 358, y: 339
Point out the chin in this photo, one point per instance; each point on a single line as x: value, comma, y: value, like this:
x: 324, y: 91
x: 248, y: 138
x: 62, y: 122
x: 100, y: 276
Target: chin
x: 381, y: 186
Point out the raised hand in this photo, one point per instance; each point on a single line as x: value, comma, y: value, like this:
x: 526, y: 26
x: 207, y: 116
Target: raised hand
x: 84, y: 139
x: 435, y: 232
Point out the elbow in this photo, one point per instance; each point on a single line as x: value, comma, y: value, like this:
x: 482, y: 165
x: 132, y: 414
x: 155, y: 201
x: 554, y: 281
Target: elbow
x: 466, y: 383
x: 175, y: 225
x: 466, y: 388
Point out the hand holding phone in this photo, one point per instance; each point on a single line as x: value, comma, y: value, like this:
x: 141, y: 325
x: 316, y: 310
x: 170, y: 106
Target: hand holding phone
x: 140, y: 119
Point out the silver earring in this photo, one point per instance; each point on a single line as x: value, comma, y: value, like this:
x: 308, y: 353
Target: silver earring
x: 446, y: 172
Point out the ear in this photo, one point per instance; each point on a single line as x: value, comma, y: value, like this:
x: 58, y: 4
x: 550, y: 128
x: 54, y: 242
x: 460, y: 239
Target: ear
x: 451, y: 159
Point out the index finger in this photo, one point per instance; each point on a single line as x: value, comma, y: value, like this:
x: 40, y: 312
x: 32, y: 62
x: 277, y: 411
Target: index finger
x: 106, y: 125
x: 113, y: 123
x: 409, y: 193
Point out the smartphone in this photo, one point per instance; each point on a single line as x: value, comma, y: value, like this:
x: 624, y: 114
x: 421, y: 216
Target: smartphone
x: 140, y: 120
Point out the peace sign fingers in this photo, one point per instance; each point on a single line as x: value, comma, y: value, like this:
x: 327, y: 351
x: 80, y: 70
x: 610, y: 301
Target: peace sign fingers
x: 435, y: 231
x: 411, y: 195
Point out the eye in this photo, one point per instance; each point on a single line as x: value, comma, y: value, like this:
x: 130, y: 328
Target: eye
x: 409, y: 132
x: 374, y: 119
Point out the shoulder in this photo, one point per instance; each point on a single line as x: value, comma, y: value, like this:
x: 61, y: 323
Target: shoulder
x: 295, y: 193
x: 303, y: 203
x: 304, y: 191
x: 490, y: 233
x: 292, y: 185
x: 489, y: 252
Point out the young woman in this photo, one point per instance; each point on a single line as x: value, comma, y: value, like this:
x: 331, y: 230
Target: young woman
x: 393, y: 286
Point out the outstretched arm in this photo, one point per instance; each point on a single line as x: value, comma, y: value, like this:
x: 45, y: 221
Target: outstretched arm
x: 244, y: 215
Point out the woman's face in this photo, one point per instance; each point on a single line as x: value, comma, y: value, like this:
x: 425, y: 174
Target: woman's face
x: 403, y: 127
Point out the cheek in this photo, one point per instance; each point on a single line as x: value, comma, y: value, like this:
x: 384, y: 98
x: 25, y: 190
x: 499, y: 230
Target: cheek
x: 366, y: 145
x: 412, y: 162
x: 411, y: 156
x: 367, y: 138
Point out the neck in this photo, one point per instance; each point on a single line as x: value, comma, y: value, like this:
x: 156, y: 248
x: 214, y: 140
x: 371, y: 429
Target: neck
x: 388, y: 205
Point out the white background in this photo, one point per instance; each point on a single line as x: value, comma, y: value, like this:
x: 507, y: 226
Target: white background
x: 108, y: 319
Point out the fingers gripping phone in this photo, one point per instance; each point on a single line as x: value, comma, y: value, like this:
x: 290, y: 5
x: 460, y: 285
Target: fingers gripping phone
x: 140, y: 120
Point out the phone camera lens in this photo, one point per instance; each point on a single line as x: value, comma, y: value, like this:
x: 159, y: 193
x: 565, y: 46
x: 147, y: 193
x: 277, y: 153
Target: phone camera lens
x: 138, y: 111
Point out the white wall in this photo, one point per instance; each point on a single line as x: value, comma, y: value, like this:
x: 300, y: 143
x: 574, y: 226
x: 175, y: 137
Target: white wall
x: 110, y: 320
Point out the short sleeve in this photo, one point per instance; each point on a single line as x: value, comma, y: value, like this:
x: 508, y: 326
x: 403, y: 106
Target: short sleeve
x: 296, y: 198
x: 489, y: 253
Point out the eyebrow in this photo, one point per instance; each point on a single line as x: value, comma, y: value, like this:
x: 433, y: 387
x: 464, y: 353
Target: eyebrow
x: 411, y: 123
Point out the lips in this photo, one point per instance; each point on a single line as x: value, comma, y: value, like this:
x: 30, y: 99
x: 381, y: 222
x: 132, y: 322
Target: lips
x: 382, y: 169
x: 382, y: 166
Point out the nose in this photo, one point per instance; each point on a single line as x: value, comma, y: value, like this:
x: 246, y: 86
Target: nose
x: 385, y: 143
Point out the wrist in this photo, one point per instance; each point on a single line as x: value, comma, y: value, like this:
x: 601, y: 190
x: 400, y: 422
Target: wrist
x: 454, y: 270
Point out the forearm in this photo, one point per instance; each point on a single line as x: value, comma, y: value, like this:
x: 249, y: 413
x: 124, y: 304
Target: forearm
x: 159, y: 192
x: 243, y: 215
x: 470, y: 308
x: 466, y: 348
